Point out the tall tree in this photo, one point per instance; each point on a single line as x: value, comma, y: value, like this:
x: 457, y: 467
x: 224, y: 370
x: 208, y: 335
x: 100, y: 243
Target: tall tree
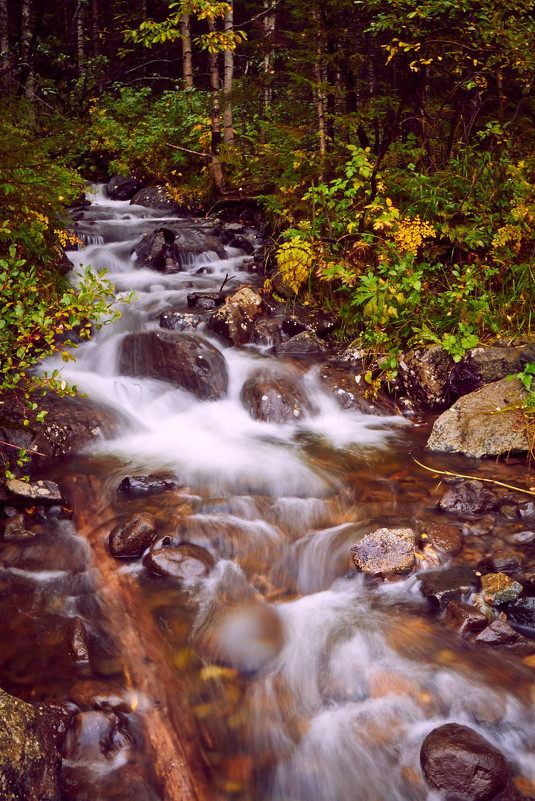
x: 4, y: 47
x: 187, y: 51
x: 228, y: 78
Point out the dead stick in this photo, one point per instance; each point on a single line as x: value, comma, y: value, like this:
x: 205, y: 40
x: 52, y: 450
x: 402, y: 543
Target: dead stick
x: 473, y: 478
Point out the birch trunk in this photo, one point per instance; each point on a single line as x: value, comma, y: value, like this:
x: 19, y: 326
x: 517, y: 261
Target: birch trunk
x: 269, y: 29
x: 26, y: 41
x: 217, y: 172
x: 4, y: 47
x: 228, y: 78
x: 187, y: 59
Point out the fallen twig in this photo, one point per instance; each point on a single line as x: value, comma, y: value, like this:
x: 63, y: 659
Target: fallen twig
x: 473, y: 478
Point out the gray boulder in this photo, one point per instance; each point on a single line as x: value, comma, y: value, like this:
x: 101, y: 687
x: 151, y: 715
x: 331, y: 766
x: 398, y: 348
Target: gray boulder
x: 426, y: 375
x: 274, y: 398
x: 29, y: 762
x: 122, y: 187
x: 186, y: 360
x: 156, y: 197
x: 387, y: 550
x: 483, y: 422
x: 485, y: 365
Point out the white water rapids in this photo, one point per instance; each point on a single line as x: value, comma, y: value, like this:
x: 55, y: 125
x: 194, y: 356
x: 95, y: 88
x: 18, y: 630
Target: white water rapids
x: 339, y: 679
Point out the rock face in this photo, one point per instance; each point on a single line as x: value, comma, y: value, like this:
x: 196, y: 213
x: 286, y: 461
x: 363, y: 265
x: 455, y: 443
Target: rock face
x: 70, y: 424
x: 476, y: 424
x: 185, y: 360
x: 480, y: 366
x: 460, y: 763
x: 426, y: 375
x: 123, y: 187
x: 274, y: 398
x: 350, y: 391
x: 234, y: 321
x: 302, y: 345
x: 387, y: 550
x: 29, y: 765
x: 131, y: 538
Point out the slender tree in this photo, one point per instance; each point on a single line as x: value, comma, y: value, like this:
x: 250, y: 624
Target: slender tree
x: 187, y: 51
x: 4, y: 47
x: 228, y: 78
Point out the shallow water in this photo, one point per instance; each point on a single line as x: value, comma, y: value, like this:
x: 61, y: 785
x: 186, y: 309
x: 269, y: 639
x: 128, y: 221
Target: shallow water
x: 288, y: 676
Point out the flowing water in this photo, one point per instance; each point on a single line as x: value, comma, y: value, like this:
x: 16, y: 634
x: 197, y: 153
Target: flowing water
x: 283, y: 675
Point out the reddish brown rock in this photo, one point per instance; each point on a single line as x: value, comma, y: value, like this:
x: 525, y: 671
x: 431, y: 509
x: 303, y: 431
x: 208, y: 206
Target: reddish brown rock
x: 463, y: 618
x: 130, y: 539
x: 443, y: 537
x: 462, y: 765
x: 234, y: 321
x: 185, y: 562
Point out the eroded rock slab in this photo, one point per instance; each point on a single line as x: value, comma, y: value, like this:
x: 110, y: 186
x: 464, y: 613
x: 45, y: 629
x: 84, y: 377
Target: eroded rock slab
x: 387, y: 550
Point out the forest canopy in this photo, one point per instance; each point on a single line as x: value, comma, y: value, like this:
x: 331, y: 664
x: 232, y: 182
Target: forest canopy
x: 390, y: 143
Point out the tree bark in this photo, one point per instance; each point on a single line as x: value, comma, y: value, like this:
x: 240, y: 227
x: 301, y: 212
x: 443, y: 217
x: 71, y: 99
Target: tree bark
x: 4, y: 47
x: 217, y: 172
x: 269, y: 30
x: 228, y: 78
x: 320, y: 78
x: 27, y: 77
x: 80, y: 15
x: 187, y: 60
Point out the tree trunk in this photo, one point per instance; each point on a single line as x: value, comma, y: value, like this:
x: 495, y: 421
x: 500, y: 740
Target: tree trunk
x: 187, y: 62
x: 320, y: 78
x: 4, y: 48
x: 217, y: 172
x: 95, y: 41
x: 228, y: 78
x: 80, y: 35
x: 269, y: 30
x: 27, y: 77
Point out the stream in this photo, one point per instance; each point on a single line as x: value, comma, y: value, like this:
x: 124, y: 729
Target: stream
x: 283, y: 674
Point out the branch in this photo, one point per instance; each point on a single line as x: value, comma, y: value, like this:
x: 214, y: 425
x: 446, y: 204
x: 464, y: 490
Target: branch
x: 187, y: 150
x: 472, y: 478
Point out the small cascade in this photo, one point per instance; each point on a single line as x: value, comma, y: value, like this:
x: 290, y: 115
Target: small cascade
x: 270, y: 670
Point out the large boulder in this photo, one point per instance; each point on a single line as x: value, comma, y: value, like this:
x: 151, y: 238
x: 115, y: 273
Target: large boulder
x: 156, y: 197
x: 350, y: 391
x: 69, y: 425
x: 29, y: 762
x: 462, y: 765
x: 485, y: 365
x: 426, y: 373
x: 483, y: 423
x: 186, y: 360
x: 274, y: 398
x: 234, y: 321
x: 123, y: 187
x: 158, y: 251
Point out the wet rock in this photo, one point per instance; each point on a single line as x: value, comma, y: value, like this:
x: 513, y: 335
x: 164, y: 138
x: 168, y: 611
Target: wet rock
x: 526, y: 510
x: 499, y: 589
x: 58, y: 552
x: 280, y: 286
x: 92, y: 694
x: 242, y: 243
x: 442, y: 537
x: 521, y: 613
x: 92, y: 735
x: 141, y: 486
x: 350, y: 391
x: 158, y: 251
x: 476, y: 424
x: 267, y: 331
x: 301, y: 319
x: 185, y: 562
x: 57, y: 718
x: 502, y: 561
x: 463, y: 618
x: 70, y: 424
x: 234, y: 321
x: 274, y: 398
x: 485, y: 365
x: 29, y: 764
x: 385, y: 551
x: 41, y: 490
x: 459, y: 763
x: 500, y: 634
x: 186, y: 360
x: 179, y: 321
x: 205, y: 301
x: 467, y: 497
x: 156, y: 197
x: 123, y: 187
x: 132, y: 538
x: 425, y: 372
x: 77, y: 641
x: 302, y: 345
x: 15, y: 529
x: 447, y: 584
